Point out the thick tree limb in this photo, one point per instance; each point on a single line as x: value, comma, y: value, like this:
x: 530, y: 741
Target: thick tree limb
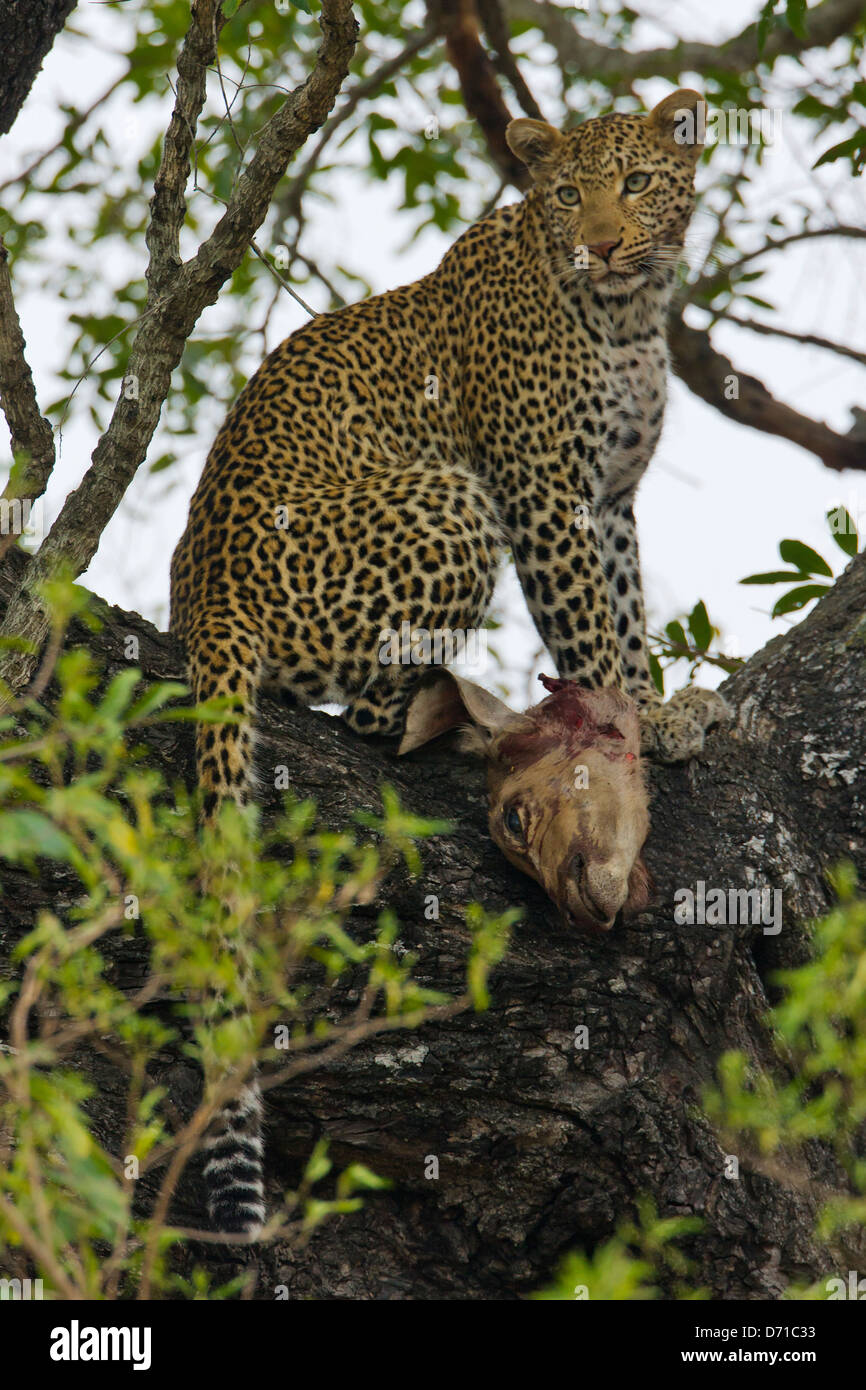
x: 27, y: 30
x: 826, y: 22
x: 712, y: 376
x: 543, y: 1146
x: 171, y: 314
x: 481, y: 95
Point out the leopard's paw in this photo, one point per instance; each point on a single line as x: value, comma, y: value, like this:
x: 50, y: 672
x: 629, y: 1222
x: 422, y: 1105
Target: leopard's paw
x: 675, y: 732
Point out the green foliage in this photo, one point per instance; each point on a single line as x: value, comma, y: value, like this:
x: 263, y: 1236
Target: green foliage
x: 407, y: 132
x: 777, y: 13
x: 812, y: 576
x: 690, y: 638
x: 247, y: 934
x: 640, y: 1262
x: 819, y: 1090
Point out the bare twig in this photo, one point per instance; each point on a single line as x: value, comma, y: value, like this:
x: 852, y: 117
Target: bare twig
x: 75, y: 123
x: 32, y: 438
x: 810, y: 339
x: 705, y: 285
x: 491, y: 16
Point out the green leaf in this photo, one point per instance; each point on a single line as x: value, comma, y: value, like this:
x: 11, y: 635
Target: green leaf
x: 843, y: 530
x: 855, y: 147
x: 796, y: 599
x: 804, y: 557
x: 765, y: 22
x: 657, y: 674
x: 774, y: 577
x: 154, y: 699
x: 119, y: 693
x: 700, y: 626
x: 794, y: 12
x: 24, y: 834
x: 676, y: 634
x: 761, y: 303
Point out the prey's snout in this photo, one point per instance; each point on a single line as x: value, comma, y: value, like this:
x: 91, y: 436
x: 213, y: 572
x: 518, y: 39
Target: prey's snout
x: 592, y: 895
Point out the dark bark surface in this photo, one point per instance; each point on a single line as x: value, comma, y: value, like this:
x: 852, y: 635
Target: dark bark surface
x: 543, y: 1147
x: 29, y: 30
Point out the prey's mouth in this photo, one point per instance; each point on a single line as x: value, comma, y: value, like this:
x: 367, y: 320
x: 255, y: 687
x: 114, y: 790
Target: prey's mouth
x: 587, y: 917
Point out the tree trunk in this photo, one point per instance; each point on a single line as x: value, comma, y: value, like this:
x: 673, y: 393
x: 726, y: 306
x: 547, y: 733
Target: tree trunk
x: 28, y: 30
x: 543, y: 1146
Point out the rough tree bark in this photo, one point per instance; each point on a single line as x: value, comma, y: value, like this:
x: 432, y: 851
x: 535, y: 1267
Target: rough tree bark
x: 543, y: 1147
x: 28, y: 33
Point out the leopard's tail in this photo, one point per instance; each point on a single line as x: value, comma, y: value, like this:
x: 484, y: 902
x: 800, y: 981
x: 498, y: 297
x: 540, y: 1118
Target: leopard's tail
x: 233, y: 1170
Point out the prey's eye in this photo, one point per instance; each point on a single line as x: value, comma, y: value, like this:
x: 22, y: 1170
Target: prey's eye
x: 636, y: 183
x: 568, y: 195
x: 513, y: 823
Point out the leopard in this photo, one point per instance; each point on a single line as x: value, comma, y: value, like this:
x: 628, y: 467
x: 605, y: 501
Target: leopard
x: 381, y: 460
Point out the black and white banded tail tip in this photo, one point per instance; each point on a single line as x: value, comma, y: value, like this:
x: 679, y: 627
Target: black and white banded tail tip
x: 233, y: 1171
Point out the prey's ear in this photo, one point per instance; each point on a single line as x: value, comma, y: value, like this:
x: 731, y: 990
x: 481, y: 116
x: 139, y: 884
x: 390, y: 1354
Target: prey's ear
x: 443, y: 701
x: 534, y: 142
x: 677, y: 121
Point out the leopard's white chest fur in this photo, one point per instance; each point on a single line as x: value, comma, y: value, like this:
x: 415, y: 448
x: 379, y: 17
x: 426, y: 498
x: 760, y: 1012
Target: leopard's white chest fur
x: 637, y: 384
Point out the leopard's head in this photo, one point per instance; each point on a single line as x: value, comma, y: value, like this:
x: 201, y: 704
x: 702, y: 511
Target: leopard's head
x: 618, y: 191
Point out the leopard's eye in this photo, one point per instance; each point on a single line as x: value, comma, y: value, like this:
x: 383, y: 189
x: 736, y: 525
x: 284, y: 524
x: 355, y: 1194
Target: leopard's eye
x: 513, y: 823
x: 568, y: 195
x: 636, y: 183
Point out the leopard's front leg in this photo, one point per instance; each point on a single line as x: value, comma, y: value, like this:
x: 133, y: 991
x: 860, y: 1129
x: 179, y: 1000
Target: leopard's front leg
x: 558, y: 558
x: 675, y: 731
x: 618, y: 537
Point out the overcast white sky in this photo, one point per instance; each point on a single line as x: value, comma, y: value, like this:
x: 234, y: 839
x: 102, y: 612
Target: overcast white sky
x: 717, y: 497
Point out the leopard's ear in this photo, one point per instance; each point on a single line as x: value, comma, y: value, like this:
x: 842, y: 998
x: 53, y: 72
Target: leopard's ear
x: 679, y: 120
x: 535, y: 143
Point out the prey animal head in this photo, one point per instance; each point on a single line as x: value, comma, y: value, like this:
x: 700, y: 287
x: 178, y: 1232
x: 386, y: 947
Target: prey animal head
x: 568, y: 803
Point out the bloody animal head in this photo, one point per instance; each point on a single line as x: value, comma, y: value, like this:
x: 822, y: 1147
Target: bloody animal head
x: 567, y: 800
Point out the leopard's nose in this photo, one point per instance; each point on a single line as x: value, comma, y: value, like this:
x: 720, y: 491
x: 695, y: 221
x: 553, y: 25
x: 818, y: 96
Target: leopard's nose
x: 603, y: 248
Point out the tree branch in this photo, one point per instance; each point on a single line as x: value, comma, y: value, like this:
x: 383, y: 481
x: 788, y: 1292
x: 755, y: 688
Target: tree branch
x: 168, y: 205
x: 290, y: 204
x: 32, y: 436
x: 811, y: 339
x: 709, y: 374
x: 170, y: 318
x: 496, y: 30
x: 481, y: 95
x: 823, y: 24
x: 28, y: 31
x: 541, y: 1146
x: 76, y: 121
x: 705, y: 286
